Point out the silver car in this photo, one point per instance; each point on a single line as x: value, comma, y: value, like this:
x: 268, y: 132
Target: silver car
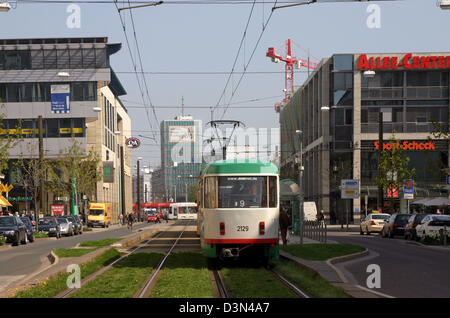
x: 66, y: 226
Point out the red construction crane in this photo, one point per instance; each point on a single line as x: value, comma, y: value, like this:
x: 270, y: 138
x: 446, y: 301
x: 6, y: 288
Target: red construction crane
x: 291, y: 63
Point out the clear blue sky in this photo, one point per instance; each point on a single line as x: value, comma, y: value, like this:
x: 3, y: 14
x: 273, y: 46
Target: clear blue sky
x: 205, y: 38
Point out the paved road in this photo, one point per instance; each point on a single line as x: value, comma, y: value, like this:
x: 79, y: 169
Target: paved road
x: 19, y: 261
x: 407, y: 270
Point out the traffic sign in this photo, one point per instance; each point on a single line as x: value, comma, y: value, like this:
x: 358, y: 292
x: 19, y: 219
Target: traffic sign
x: 133, y: 142
x: 349, y: 189
x: 408, y: 189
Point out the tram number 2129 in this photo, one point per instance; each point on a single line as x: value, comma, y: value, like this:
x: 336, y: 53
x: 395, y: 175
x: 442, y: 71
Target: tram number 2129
x: 242, y: 228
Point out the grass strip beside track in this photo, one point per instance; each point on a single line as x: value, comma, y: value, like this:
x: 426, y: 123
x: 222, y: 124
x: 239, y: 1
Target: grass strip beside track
x: 52, y: 287
x: 72, y: 252
x: 185, y: 275
x: 100, y: 243
x: 254, y: 283
x: 310, y: 282
x: 123, y: 279
x: 321, y: 252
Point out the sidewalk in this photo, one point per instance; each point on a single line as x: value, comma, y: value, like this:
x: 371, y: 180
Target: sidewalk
x: 327, y: 270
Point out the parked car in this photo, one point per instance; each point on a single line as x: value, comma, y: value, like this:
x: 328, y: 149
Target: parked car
x: 410, y: 228
x: 13, y: 229
x: 374, y: 222
x: 51, y: 226
x: 30, y: 228
x: 73, y: 222
x: 66, y: 226
x: 395, y: 225
x: 431, y: 224
x: 153, y: 217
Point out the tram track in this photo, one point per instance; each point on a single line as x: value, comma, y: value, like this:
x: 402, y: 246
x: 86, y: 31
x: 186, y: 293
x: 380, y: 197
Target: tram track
x: 68, y: 292
x: 219, y: 284
x: 150, y: 282
x: 298, y: 291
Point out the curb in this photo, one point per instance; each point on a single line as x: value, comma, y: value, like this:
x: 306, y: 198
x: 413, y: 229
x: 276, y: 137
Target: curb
x: 5, y: 247
x: 345, y: 258
x: 54, y: 260
x: 335, y: 260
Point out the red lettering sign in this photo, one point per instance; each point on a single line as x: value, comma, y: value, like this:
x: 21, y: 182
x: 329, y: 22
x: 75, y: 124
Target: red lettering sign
x: 408, y: 62
x: 406, y: 145
x: 57, y: 209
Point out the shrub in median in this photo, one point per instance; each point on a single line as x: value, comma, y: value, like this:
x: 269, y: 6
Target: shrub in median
x: 40, y: 234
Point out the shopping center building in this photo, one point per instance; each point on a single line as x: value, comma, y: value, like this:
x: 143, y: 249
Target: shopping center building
x: 337, y: 109
x: 70, y: 83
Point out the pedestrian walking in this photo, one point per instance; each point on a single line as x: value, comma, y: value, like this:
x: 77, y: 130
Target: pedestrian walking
x: 285, y: 222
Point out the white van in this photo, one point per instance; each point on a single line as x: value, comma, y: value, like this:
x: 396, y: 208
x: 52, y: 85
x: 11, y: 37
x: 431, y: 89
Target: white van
x: 310, y: 211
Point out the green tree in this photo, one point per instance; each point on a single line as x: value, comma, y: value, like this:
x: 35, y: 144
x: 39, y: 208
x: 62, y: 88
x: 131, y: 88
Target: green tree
x: 30, y: 173
x: 192, y: 192
x: 393, y: 167
x: 75, y: 169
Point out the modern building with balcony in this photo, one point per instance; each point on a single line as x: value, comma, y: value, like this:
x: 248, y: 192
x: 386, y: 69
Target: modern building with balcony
x: 70, y: 83
x: 337, y: 109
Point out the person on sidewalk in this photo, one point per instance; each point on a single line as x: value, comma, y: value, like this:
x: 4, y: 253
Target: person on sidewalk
x: 284, y: 224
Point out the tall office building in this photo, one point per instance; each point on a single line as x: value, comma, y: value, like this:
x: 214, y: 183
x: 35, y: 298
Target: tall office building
x: 181, y: 155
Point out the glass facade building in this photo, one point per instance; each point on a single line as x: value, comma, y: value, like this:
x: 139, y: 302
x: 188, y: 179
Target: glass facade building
x: 32, y: 73
x: 338, y: 107
x: 181, y: 155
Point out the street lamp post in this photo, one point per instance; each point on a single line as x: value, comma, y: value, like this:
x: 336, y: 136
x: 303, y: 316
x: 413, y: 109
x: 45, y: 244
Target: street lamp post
x: 300, y: 183
x: 138, y: 190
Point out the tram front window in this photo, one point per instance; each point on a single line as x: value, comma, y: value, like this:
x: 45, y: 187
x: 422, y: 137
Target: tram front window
x: 242, y: 192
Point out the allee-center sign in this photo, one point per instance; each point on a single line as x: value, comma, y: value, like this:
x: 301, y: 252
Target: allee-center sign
x: 409, y: 61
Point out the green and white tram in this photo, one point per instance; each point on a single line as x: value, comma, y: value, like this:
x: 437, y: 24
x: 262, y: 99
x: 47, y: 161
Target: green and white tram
x: 239, y: 210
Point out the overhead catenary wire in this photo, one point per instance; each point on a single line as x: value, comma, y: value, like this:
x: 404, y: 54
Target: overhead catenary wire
x: 133, y: 61
x: 235, y: 59
x: 250, y: 59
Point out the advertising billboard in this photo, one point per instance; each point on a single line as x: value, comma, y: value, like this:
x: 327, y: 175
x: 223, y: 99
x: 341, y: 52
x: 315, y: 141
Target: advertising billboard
x: 181, y: 134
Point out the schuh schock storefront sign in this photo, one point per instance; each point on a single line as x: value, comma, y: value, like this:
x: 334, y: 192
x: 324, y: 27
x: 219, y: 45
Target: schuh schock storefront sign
x: 406, y: 145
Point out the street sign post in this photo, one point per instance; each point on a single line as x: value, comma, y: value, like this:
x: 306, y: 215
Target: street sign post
x: 349, y: 189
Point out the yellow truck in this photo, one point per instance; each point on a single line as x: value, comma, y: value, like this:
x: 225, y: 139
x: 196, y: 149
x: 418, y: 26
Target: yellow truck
x: 99, y: 214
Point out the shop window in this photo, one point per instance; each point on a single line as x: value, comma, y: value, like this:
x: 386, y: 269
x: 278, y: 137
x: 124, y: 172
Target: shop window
x: 27, y: 128
x: 76, y: 59
x: 11, y: 60
x: 65, y: 128
x: 100, y: 58
x: 13, y: 93
x: 2, y: 93
x: 88, y: 58
x: 52, y: 128
x: 37, y: 59
x: 343, y: 62
x: 77, y: 91
x: 90, y: 91
x: 78, y: 127
x: 63, y: 58
x: 26, y: 92
x: 50, y: 59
